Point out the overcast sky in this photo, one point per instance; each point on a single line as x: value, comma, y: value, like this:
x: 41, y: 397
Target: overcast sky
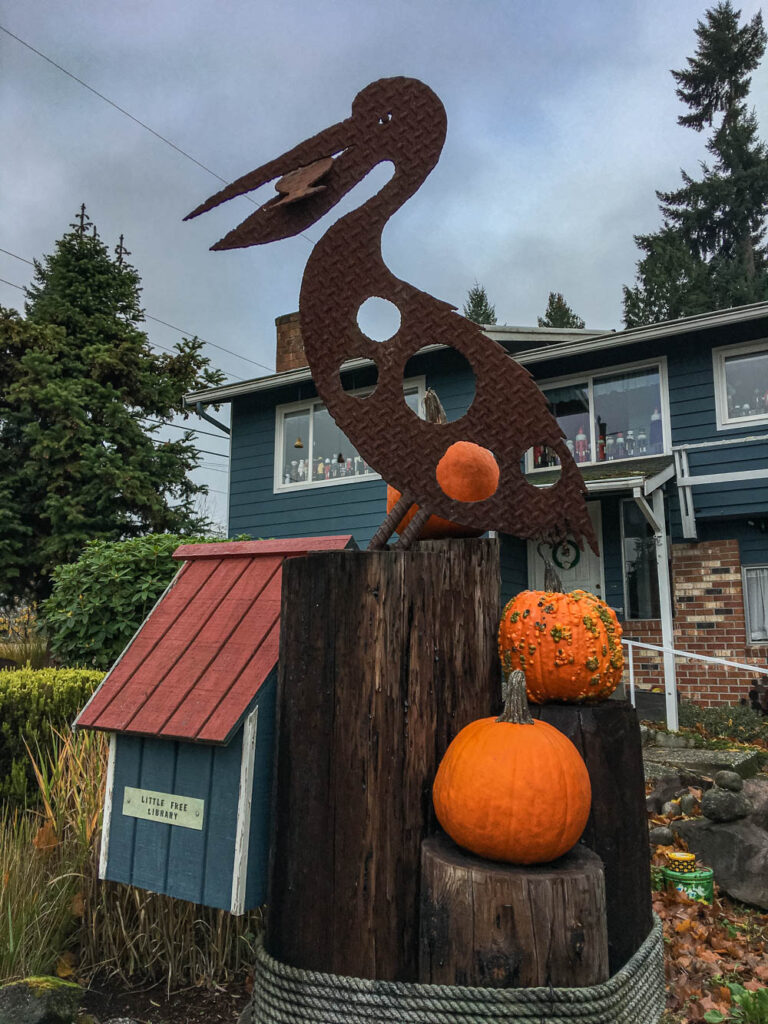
x: 561, y: 123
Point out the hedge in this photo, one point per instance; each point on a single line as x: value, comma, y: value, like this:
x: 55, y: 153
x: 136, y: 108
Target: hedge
x: 32, y: 703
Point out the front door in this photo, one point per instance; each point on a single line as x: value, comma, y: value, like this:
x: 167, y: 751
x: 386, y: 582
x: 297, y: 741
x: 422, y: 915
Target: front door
x: 579, y: 570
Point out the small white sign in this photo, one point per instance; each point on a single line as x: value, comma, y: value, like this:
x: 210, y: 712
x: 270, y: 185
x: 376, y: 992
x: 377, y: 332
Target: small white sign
x: 167, y: 808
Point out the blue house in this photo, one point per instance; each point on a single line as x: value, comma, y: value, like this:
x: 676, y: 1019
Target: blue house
x: 668, y: 423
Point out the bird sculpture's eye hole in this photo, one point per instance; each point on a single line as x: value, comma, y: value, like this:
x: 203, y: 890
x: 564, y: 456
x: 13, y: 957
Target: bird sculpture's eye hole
x: 378, y: 319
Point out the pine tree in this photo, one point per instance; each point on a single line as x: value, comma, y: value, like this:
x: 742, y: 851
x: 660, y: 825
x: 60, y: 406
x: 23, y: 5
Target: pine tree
x: 78, y: 459
x: 559, y: 314
x: 710, y: 251
x: 477, y: 308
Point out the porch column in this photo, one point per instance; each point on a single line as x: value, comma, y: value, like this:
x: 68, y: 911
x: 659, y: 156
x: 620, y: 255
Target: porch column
x: 657, y: 522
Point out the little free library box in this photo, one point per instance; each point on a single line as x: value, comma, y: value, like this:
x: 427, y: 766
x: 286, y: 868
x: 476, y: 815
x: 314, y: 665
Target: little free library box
x: 190, y: 707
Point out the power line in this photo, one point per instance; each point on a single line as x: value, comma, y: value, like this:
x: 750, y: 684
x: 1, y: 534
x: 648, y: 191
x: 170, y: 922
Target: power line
x: 19, y: 286
x: 165, y: 323
x: 179, y: 426
x: 152, y: 131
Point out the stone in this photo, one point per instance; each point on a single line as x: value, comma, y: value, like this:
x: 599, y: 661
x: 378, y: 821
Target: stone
x: 736, y: 851
x: 689, y: 803
x: 756, y: 791
x: 39, y: 1001
x: 724, y: 805
x: 729, y: 780
x: 699, y: 762
x: 246, y: 1017
x: 671, y: 808
x: 666, y: 787
x: 661, y: 836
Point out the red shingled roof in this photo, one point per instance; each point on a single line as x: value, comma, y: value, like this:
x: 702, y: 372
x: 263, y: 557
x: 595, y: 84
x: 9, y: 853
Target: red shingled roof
x: 198, y: 661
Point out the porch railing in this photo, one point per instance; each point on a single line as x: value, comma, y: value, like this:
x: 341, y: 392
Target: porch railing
x: 671, y: 692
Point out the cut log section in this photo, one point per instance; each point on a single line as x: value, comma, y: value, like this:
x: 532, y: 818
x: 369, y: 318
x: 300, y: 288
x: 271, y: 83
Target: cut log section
x: 607, y: 735
x: 501, y: 926
x: 384, y: 657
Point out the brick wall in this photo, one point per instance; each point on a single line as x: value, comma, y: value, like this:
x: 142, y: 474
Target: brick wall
x: 708, y: 619
x: 289, y: 354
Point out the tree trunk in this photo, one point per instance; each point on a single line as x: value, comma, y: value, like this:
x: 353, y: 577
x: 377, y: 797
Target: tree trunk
x: 385, y: 656
x: 500, y: 926
x: 607, y: 736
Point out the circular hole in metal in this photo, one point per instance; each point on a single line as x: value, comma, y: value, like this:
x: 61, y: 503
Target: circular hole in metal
x: 457, y: 392
x: 378, y: 319
x: 546, y: 463
x: 468, y: 472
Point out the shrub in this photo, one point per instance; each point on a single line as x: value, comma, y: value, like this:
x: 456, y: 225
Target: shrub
x: 725, y: 721
x: 21, y: 639
x: 33, y: 703
x: 44, y: 856
x: 98, y: 602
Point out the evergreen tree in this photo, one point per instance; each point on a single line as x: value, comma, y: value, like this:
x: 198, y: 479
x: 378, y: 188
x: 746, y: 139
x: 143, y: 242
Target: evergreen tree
x: 477, y: 308
x: 710, y: 251
x: 78, y: 461
x: 559, y: 314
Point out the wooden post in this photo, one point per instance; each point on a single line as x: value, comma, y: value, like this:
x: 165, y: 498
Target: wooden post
x: 607, y: 736
x: 500, y: 926
x: 384, y: 657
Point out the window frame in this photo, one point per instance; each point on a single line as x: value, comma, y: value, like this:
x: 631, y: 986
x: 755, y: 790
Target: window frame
x: 625, y: 591
x: 307, y: 405
x: 659, y: 363
x: 719, y: 355
x: 747, y: 623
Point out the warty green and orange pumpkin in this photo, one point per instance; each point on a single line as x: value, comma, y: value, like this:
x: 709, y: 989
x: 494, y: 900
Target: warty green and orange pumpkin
x: 513, y: 789
x: 568, y: 645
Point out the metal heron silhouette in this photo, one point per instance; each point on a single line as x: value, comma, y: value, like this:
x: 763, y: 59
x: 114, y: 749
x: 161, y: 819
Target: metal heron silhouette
x: 402, y: 120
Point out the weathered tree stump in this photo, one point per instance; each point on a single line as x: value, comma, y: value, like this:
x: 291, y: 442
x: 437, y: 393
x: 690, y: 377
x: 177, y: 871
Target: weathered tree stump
x: 608, y: 737
x: 385, y: 656
x: 501, y: 926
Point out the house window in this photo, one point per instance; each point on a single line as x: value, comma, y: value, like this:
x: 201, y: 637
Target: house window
x: 741, y: 384
x: 638, y: 549
x: 608, y: 417
x: 311, y: 451
x: 756, y: 602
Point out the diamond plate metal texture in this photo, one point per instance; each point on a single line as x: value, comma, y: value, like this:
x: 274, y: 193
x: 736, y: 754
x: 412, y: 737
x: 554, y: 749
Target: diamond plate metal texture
x: 402, y: 121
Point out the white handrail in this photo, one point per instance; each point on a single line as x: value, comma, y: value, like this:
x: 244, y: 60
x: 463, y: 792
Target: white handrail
x: 697, y: 657
x: 632, y: 644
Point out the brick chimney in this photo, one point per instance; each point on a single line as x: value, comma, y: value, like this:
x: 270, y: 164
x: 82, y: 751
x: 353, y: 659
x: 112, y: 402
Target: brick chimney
x: 289, y: 354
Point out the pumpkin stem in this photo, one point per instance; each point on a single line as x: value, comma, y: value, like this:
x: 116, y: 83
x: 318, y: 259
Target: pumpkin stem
x: 552, y: 582
x: 516, y: 708
x: 433, y: 408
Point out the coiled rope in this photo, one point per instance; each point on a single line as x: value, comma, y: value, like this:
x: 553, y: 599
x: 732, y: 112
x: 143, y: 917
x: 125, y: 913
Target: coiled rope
x: 289, y: 995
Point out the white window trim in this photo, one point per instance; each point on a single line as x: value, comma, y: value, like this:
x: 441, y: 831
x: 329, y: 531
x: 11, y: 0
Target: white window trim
x: 747, y: 623
x: 719, y: 355
x: 281, y: 411
x: 622, y: 503
x: 659, y: 363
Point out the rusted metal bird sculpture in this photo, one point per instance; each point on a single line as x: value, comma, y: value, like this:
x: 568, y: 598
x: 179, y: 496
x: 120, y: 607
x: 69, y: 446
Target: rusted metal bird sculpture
x: 402, y: 120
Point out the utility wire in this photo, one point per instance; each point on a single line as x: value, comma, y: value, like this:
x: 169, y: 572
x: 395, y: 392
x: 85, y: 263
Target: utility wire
x: 179, y: 426
x: 188, y: 334
x: 19, y: 286
x: 152, y: 131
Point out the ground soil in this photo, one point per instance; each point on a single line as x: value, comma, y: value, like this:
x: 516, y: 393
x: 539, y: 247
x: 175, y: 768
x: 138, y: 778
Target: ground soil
x: 154, y: 1006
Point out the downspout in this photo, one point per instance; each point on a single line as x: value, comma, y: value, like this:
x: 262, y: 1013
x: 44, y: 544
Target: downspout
x: 655, y: 518
x: 204, y: 415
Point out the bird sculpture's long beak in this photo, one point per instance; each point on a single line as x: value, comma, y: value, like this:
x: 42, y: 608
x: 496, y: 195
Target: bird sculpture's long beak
x: 312, y: 180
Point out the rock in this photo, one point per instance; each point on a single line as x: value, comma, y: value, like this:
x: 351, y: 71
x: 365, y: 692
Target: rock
x: 39, y: 1001
x: 736, y: 851
x: 661, y: 836
x: 688, y: 803
x: 724, y: 805
x: 699, y: 762
x: 729, y: 780
x: 756, y: 791
x: 246, y: 1017
x: 671, y: 809
x: 665, y: 788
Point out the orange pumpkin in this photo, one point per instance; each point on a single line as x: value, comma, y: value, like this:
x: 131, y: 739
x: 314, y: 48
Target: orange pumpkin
x: 467, y: 472
x: 568, y: 645
x: 512, y: 789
